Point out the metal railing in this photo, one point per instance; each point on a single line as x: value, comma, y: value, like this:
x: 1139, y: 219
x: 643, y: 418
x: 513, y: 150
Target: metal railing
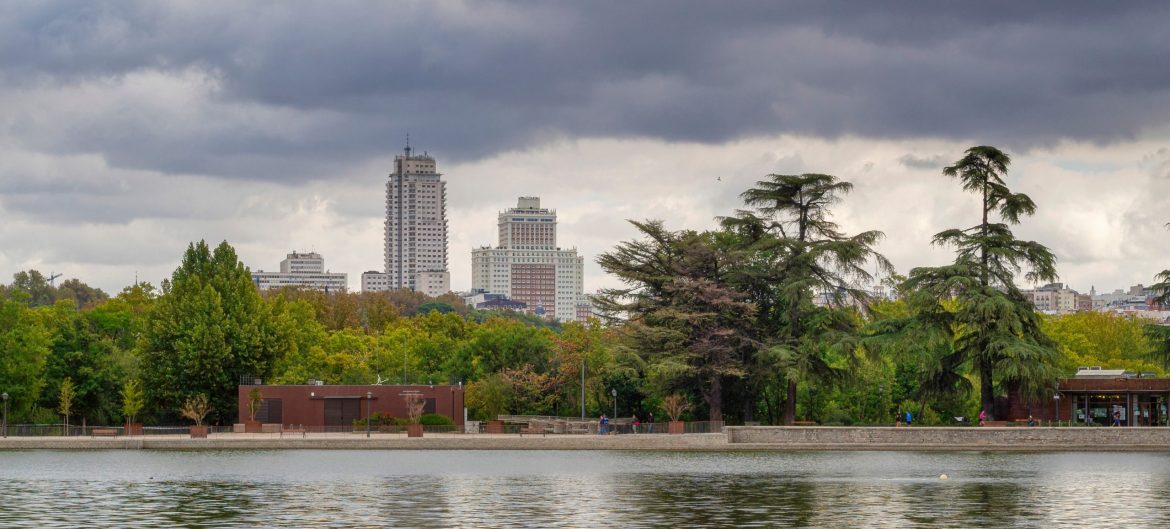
x: 535, y: 427
x: 59, y: 430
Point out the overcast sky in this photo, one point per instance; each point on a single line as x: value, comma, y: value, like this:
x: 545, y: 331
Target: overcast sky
x: 128, y: 130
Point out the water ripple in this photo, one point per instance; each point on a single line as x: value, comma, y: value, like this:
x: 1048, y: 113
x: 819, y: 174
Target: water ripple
x: 358, y: 489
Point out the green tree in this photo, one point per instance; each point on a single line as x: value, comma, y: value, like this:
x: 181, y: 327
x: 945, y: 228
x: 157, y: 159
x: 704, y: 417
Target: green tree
x: 793, y: 252
x: 24, y: 349
x: 683, y: 314
x: 133, y: 399
x: 36, y: 285
x: 1101, y: 339
x: 995, y: 327
x: 208, y: 329
x: 81, y: 294
x: 65, y: 404
x: 94, y: 362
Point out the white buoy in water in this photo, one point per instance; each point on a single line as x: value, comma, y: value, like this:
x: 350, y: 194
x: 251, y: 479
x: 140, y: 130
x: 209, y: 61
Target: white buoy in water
x: 943, y: 476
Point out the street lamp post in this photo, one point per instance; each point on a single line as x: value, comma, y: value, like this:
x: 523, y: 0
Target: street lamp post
x: 881, y: 403
x: 369, y: 398
x: 614, y: 393
x: 5, y: 397
x: 582, y: 388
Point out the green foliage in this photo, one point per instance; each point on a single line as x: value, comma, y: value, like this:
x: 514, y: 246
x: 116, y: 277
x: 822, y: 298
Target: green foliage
x: 377, y: 420
x: 793, y: 251
x: 685, y: 318
x: 1101, y: 339
x: 207, y: 329
x: 435, y: 419
x: 41, y: 292
x: 133, y: 399
x: 24, y: 349
x: 974, y: 301
x: 65, y: 399
x: 254, y: 400
x: 93, y: 360
x: 489, y: 397
x: 442, y: 308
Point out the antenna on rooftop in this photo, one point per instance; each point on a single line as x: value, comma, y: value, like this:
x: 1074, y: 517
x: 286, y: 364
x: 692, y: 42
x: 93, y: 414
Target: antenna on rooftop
x: 408, y: 144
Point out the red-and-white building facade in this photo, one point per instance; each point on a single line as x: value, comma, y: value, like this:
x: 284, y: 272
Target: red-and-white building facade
x: 529, y: 267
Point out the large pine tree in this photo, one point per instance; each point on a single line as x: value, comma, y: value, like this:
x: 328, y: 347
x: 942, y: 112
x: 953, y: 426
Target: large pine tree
x: 976, y: 298
x: 683, y: 315
x: 792, y: 251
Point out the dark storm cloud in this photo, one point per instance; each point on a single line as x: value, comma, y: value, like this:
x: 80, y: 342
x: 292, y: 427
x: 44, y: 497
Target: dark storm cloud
x: 339, y: 81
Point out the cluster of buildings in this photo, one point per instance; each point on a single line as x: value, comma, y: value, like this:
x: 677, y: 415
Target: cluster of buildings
x: 1138, y: 301
x: 526, y: 271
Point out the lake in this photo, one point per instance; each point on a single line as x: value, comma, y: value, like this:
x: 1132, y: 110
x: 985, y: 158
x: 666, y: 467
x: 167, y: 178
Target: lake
x: 349, y: 488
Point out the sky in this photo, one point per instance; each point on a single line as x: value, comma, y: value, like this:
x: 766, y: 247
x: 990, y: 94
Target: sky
x: 130, y: 129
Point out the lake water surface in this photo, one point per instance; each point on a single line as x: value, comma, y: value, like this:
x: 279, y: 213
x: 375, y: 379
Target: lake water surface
x: 305, y: 488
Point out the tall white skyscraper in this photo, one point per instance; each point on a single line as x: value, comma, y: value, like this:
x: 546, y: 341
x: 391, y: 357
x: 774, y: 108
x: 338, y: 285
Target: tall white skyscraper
x: 416, y: 228
x: 528, y: 266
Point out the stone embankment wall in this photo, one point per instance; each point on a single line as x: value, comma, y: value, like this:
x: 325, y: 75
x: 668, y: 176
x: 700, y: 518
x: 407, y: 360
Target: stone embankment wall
x: 1012, y: 438
x: 712, y: 441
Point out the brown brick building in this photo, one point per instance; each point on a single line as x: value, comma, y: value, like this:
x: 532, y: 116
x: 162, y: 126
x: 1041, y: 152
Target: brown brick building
x: 336, y: 407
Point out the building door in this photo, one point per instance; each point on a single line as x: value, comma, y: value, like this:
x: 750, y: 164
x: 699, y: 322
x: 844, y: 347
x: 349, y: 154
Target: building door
x: 342, y: 412
x: 270, y: 411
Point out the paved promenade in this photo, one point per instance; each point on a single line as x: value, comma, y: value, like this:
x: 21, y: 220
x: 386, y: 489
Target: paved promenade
x: 736, y: 438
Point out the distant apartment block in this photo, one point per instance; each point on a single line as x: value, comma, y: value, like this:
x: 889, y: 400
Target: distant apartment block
x: 1056, y: 298
x: 304, y: 270
x: 374, y: 281
x: 489, y: 301
x: 528, y: 267
x: 415, y: 245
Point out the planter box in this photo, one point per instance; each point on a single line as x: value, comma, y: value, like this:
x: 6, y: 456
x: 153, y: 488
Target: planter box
x: 493, y: 427
x: 134, y: 428
x: 253, y: 427
x: 676, y: 427
x: 414, y: 430
x: 199, y: 432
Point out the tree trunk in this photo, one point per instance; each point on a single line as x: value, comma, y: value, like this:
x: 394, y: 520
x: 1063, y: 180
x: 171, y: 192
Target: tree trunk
x: 715, y: 400
x: 986, y: 390
x: 790, y: 404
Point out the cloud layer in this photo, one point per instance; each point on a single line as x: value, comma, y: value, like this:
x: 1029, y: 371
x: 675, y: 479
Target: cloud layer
x: 132, y: 128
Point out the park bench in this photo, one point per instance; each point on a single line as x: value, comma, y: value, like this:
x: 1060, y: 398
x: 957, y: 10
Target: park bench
x: 804, y: 423
x: 104, y: 432
x: 996, y: 424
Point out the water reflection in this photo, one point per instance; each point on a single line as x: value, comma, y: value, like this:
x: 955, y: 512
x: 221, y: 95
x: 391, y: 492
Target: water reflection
x: 580, y: 489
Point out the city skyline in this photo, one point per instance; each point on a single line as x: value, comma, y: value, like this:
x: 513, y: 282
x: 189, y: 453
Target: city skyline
x: 131, y: 132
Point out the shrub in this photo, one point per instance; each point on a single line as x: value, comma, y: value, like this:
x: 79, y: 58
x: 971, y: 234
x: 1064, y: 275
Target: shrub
x: 378, y: 419
x: 435, y: 419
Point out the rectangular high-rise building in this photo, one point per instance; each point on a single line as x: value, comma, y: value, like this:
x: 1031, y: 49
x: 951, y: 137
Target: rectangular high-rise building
x: 528, y: 267
x: 415, y: 248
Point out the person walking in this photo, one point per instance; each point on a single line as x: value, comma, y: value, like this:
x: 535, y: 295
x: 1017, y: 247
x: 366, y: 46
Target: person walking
x: 982, y: 416
x: 650, y: 422
x: 637, y: 423
x: 603, y: 425
x: 909, y: 418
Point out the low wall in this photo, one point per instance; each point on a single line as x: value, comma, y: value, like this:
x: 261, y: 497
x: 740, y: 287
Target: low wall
x: 1013, y: 438
x: 377, y: 442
